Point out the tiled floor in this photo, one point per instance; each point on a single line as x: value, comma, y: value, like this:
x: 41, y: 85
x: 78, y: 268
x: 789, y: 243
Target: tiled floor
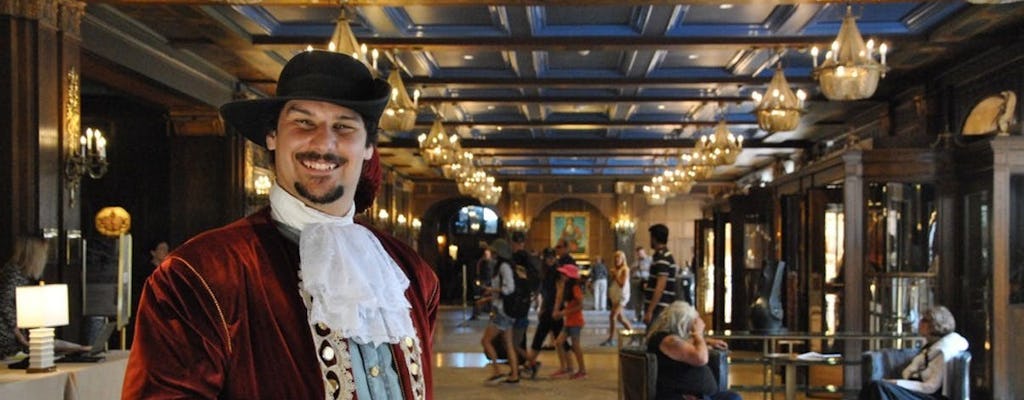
x: 460, y: 371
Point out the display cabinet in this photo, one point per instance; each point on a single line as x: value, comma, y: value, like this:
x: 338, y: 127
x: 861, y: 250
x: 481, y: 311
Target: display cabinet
x: 866, y: 216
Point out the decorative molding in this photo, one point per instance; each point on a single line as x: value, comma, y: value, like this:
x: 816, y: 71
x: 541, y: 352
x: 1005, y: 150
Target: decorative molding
x: 191, y: 122
x: 70, y: 15
x: 72, y: 112
x: 29, y: 9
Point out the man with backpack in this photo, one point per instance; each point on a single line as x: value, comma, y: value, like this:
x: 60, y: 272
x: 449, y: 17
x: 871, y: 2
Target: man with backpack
x: 499, y: 293
x: 527, y: 284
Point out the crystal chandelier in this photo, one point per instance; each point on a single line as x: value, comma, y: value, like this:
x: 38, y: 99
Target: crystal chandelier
x: 849, y: 70
x: 436, y: 147
x: 721, y: 147
x: 779, y: 110
x: 344, y: 41
x: 658, y: 191
x: 400, y: 113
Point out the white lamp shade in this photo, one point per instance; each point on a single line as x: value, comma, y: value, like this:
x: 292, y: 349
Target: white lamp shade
x: 42, y: 305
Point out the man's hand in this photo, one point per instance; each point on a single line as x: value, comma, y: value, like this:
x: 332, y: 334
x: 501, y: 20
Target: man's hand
x: 647, y: 317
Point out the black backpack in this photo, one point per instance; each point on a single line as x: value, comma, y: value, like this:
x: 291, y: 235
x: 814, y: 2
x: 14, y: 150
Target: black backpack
x: 526, y: 274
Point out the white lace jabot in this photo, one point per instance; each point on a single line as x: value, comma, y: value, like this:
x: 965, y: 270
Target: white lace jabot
x: 357, y: 289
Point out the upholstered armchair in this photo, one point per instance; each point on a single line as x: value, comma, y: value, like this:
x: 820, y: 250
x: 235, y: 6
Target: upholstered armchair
x: 889, y: 363
x: 638, y: 372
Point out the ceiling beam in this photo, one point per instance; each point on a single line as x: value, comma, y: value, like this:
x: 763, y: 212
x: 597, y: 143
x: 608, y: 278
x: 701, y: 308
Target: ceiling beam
x: 595, y: 81
x: 572, y: 43
x: 399, y: 3
x: 580, y: 99
x: 579, y: 146
x: 506, y: 124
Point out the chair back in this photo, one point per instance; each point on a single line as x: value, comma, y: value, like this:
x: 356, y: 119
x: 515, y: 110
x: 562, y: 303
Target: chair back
x: 958, y: 377
x: 638, y: 373
x: 889, y: 363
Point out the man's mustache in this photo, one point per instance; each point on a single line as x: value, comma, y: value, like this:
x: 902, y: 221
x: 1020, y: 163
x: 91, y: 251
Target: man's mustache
x: 325, y: 157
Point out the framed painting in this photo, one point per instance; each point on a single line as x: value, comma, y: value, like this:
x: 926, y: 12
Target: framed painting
x: 574, y: 228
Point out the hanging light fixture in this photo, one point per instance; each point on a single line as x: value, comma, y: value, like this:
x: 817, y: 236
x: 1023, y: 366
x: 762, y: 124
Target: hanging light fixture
x: 344, y: 41
x: 779, y: 110
x: 849, y: 70
x: 721, y: 147
x: 400, y: 113
x: 435, y: 145
x: 657, y: 192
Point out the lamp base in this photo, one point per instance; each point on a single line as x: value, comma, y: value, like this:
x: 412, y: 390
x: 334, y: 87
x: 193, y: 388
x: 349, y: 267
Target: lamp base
x: 40, y: 350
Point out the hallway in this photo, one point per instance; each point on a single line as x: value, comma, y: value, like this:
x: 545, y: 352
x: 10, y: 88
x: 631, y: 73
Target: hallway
x: 459, y: 364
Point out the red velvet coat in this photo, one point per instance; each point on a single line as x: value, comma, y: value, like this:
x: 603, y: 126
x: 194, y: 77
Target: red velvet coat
x: 222, y: 318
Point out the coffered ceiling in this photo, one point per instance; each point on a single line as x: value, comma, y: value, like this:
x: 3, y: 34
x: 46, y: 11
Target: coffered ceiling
x: 556, y: 90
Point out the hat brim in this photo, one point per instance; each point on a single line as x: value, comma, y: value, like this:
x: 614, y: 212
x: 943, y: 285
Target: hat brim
x: 252, y: 118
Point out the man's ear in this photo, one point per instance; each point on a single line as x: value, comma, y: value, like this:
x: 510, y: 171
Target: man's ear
x: 272, y: 140
x: 368, y: 152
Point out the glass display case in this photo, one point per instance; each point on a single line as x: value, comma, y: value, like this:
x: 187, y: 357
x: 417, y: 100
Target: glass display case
x: 901, y: 260
x: 1016, y: 236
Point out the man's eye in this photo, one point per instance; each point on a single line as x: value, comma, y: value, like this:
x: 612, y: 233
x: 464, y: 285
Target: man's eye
x: 342, y: 127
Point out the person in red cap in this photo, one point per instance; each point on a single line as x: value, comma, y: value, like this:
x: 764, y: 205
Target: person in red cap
x: 298, y: 300
x: 569, y: 308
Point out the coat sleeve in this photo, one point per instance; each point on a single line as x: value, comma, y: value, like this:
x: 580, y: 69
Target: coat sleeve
x: 181, y: 344
x: 931, y: 377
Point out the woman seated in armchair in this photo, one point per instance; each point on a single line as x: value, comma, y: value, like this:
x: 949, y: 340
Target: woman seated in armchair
x: 677, y: 338
x: 923, y: 377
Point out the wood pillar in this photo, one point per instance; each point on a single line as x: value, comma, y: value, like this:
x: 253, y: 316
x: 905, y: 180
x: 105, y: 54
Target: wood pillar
x: 853, y: 306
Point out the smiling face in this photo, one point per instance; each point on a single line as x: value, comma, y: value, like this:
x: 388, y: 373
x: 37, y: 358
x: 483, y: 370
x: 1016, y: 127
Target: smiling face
x: 319, y: 149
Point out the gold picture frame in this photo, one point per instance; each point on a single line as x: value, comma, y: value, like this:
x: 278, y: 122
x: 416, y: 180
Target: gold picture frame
x: 575, y: 228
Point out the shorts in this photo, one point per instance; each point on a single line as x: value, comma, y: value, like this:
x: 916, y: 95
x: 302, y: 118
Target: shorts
x: 501, y: 321
x: 522, y: 323
x: 573, y: 331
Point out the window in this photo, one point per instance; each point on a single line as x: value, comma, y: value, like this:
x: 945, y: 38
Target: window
x: 473, y: 220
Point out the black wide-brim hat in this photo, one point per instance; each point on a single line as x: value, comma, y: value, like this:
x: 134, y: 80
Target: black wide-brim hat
x: 312, y: 75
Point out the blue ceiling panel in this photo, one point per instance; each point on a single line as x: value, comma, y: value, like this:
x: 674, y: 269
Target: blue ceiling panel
x: 596, y: 21
x: 574, y: 171
x: 739, y: 20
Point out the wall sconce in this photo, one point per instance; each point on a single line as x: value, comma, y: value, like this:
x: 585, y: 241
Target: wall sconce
x: 453, y: 251
x: 625, y: 227
x: 516, y: 223
x: 89, y: 158
x: 401, y: 223
x: 261, y: 185
x: 383, y: 218
x: 40, y: 308
x: 416, y: 226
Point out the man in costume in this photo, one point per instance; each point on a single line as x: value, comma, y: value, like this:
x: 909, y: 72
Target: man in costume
x: 296, y: 301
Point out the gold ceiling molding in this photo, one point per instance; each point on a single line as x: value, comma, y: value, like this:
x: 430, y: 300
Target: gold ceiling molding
x: 41, y: 10
x: 70, y: 15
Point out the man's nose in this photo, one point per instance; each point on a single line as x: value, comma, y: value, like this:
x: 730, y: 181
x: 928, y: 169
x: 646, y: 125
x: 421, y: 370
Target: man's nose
x: 323, y: 138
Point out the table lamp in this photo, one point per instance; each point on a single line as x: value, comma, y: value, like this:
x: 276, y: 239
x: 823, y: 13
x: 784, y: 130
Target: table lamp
x: 40, y: 308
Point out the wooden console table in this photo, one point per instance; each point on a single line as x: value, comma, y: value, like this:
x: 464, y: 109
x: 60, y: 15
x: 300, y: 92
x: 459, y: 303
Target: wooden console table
x: 86, y: 381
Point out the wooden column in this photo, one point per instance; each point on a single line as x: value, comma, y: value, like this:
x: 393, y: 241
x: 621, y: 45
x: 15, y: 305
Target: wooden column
x: 39, y: 58
x: 853, y: 270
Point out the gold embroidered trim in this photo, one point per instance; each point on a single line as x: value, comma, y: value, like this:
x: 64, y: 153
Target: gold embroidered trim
x: 414, y: 364
x: 220, y: 313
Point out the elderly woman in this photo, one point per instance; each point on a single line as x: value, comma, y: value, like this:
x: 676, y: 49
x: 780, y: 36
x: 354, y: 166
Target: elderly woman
x: 922, y: 378
x: 677, y: 338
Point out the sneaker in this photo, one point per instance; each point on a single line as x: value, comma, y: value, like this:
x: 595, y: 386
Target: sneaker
x: 511, y: 381
x: 561, y: 374
x: 606, y: 343
x: 533, y: 369
x: 579, y: 375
